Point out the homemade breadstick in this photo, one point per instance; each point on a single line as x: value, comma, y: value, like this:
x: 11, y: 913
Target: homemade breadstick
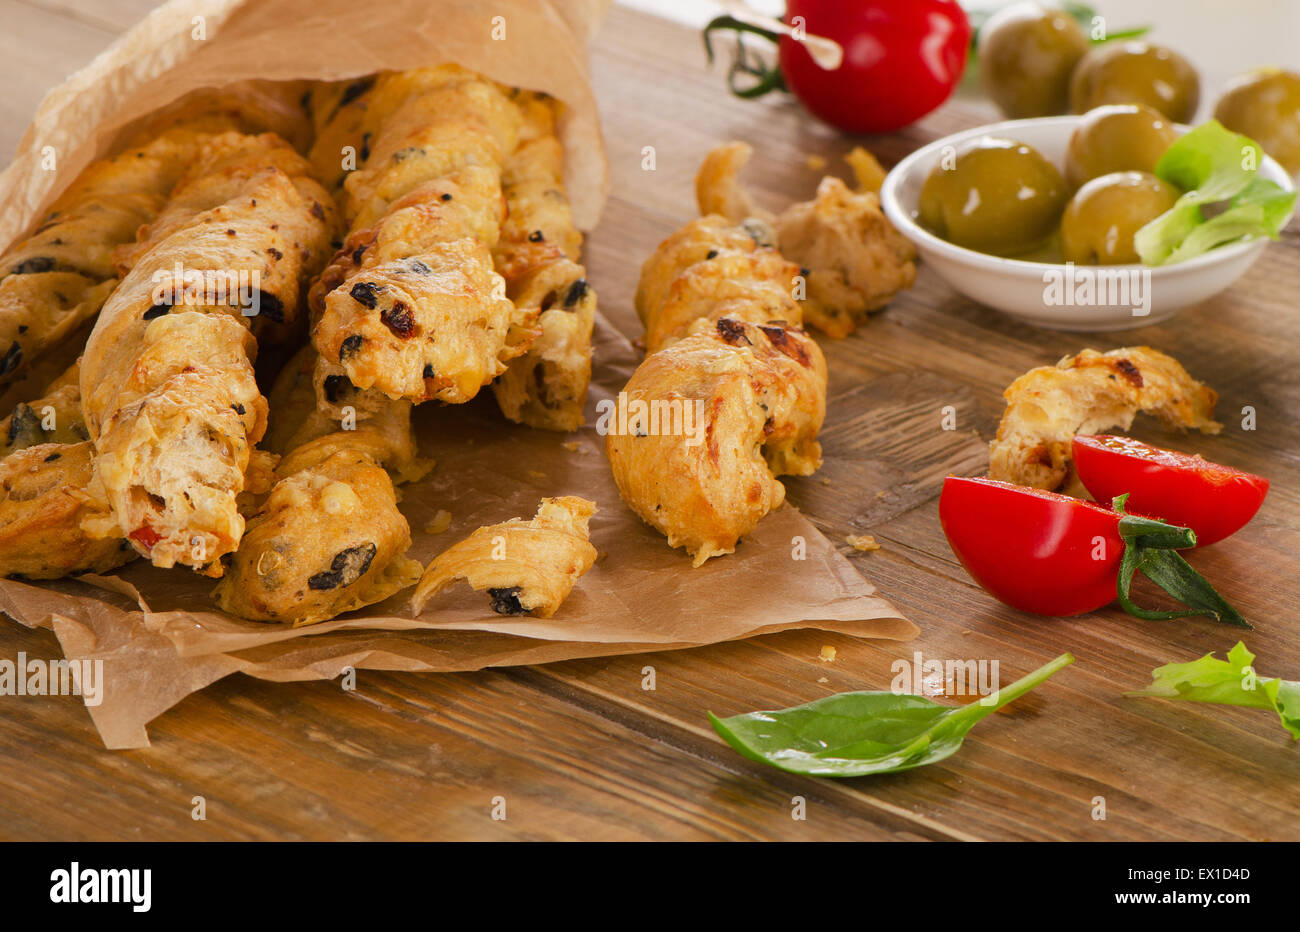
x: 62, y: 273
x: 329, y: 538
x: 755, y: 397
x: 732, y: 392
x: 167, y: 383
x: 537, y: 255
x: 43, y: 504
x: 411, y: 306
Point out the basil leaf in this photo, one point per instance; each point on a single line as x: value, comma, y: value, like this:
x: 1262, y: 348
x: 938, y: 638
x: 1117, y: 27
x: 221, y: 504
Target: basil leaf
x: 859, y: 733
x: 1227, y: 682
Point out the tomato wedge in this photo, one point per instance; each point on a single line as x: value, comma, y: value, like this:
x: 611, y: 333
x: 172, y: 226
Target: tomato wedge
x: 1213, y: 500
x: 1037, y: 551
x: 1050, y: 554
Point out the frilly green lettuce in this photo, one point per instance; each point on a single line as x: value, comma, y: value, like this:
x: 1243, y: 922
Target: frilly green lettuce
x: 1215, y: 168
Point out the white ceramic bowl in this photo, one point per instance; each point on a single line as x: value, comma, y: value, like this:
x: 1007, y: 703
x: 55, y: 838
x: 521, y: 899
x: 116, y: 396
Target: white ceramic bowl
x: 1044, y: 294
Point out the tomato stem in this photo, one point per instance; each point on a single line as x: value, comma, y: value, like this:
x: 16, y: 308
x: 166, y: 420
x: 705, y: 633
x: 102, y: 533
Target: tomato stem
x: 745, y: 62
x: 1150, y: 547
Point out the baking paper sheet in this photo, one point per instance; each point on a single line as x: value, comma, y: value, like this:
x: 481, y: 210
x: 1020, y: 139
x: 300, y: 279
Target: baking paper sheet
x: 158, y: 631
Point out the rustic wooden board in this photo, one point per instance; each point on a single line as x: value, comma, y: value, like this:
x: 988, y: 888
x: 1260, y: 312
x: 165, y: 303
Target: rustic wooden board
x: 580, y: 749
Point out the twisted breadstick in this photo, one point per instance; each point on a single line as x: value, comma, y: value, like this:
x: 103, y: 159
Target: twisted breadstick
x: 61, y: 275
x: 53, y: 517
x: 329, y: 538
x: 537, y: 254
x: 167, y: 382
x: 411, y: 306
x: 760, y: 394
x: 43, y: 505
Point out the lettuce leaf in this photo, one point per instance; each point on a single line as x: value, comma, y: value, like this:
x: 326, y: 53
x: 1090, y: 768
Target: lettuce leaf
x: 1213, y: 166
x: 1227, y: 682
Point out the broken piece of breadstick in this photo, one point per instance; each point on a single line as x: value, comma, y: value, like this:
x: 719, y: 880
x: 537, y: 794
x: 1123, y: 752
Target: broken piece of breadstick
x: 526, y: 566
x: 853, y: 259
x: 1090, y: 393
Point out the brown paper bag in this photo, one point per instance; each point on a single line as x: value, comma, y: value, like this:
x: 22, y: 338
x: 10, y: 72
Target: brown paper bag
x: 158, y: 632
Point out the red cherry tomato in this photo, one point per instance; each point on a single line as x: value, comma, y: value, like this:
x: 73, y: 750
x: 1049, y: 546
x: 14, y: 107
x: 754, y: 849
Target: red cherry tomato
x: 902, y: 59
x: 1037, y: 551
x: 1214, y: 501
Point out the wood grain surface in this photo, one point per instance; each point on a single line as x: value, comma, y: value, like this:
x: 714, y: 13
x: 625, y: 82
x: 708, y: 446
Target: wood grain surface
x: 579, y: 750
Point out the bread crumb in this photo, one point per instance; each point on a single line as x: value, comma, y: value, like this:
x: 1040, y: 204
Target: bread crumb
x: 825, y: 481
x: 828, y: 653
x: 864, y: 543
x: 573, y: 446
x: 440, y: 522
x: 870, y: 174
x: 816, y: 162
x: 534, y: 474
x: 822, y: 679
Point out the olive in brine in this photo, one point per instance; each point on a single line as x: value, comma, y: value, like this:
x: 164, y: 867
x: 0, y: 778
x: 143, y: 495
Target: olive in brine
x: 1026, y: 56
x: 993, y: 195
x: 1265, y: 105
x: 1105, y: 214
x: 1117, y: 138
x: 1136, y: 73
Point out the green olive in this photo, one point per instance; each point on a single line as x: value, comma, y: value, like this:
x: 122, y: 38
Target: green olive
x: 1103, y: 216
x: 1117, y: 138
x: 1136, y: 73
x: 1026, y: 56
x: 993, y: 195
x: 1265, y: 105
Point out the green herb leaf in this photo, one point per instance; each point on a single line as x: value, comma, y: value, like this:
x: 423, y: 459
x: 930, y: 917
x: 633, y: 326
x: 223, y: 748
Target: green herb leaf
x: 1149, y: 548
x: 1227, y: 682
x: 1212, y: 165
x: 859, y: 733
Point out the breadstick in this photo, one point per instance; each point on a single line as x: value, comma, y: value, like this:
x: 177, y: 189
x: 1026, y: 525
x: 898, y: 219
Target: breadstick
x: 63, y: 272
x: 537, y: 255
x: 42, y: 510
x: 45, y: 480
x: 167, y: 382
x: 723, y: 411
x: 411, y: 307
x: 329, y: 538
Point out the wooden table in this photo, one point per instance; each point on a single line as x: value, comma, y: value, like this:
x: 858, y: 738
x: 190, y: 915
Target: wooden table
x: 579, y: 750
